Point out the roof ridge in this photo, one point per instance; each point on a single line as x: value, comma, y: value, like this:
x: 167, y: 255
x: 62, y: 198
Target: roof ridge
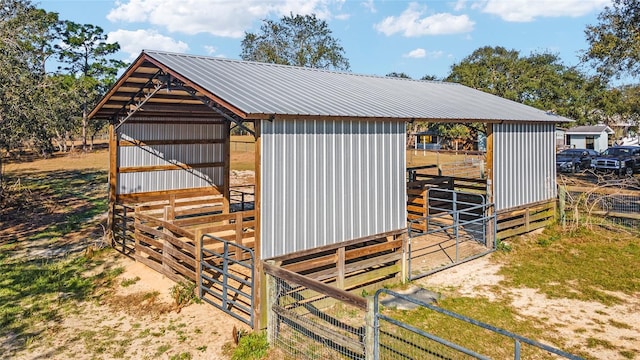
x: 302, y: 68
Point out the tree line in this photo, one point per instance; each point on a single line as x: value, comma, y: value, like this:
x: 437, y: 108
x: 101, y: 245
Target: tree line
x: 46, y: 109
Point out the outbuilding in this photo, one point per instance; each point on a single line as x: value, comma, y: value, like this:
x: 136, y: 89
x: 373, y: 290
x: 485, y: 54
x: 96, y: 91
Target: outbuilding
x: 330, y: 167
x: 594, y: 137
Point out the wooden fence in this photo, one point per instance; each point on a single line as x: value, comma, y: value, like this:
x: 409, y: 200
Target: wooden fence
x: 171, y: 246
x: 526, y: 218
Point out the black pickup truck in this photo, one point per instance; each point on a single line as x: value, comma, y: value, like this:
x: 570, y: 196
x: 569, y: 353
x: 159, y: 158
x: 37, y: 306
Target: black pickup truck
x: 623, y: 160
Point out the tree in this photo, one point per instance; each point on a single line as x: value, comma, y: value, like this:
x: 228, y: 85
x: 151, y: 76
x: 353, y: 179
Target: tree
x: 295, y: 40
x: 430, y: 78
x: 614, y: 43
x: 85, y: 52
x: 540, y: 80
x: 400, y: 75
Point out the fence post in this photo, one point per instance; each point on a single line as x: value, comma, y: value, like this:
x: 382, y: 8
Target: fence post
x: 198, y: 254
x: 370, y: 341
x: 167, y: 247
x: 562, y: 196
x: 340, y: 268
x: 271, y: 300
x: 239, y: 236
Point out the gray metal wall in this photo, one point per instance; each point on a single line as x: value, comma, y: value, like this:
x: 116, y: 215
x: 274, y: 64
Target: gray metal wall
x: 524, y: 169
x: 128, y: 183
x: 324, y: 182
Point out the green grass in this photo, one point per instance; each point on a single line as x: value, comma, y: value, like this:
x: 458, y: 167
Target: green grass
x: 583, y: 264
x: 495, y: 313
x: 37, y: 292
x: 251, y: 346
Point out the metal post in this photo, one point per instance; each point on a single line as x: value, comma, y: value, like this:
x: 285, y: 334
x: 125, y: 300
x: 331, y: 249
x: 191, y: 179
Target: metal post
x: 456, y: 220
x: 272, y: 299
x: 225, y: 272
x: 516, y: 354
x: 124, y: 229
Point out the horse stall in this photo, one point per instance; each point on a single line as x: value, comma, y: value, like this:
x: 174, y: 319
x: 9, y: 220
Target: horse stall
x: 329, y: 203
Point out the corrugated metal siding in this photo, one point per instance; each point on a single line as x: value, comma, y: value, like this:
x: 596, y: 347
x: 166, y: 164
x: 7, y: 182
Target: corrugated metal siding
x: 261, y: 88
x: 129, y: 183
x: 524, y: 164
x: 325, y: 182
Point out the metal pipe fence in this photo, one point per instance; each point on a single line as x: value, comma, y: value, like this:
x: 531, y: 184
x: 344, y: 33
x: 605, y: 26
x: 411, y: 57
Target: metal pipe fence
x: 400, y: 340
x: 454, y: 218
x: 227, y: 277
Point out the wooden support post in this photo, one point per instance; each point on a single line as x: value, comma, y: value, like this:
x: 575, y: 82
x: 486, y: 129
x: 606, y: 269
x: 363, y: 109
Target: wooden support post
x: 226, y: 201
x: 239, y: 235
x: 526, y: 220
x: 259, y: 291
x: 113, y: 175
x: 270, y: 301
x: 562, y: 198
x: 167, y: 247
x: 197, y: 241
x: 404, y: 266
x: 340, y: 268
x: 172, y: 207
x: 370, y: 330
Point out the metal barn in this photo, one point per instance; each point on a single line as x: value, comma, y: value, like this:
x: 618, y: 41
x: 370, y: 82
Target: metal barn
x: 330, y: 195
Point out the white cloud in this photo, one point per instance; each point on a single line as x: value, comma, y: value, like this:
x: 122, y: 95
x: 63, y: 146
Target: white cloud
x: 343, y: 16
x: 418, y: 53
x: 527, y: 10
x: 369, y: 5
x: 219, y: 18
x: 460, y: 5
x: 132, y: 42
x: 421, y: 53
x: 210, y: 49
x: 411, y: 23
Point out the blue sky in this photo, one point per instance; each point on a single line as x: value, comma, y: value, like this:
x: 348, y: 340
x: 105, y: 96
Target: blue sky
x: 415, y: 37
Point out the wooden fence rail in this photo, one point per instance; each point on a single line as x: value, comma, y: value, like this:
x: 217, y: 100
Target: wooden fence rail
x: 169, y: 245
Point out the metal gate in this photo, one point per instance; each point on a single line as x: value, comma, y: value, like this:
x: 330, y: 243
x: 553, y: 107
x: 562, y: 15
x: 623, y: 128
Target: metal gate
x: 395, y: 339
x: 227, y: 276
x: 459, y: 227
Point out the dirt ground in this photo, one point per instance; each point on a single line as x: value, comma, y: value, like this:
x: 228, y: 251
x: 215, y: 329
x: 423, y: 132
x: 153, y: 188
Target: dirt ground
x: 573, y: 320
x: 139, y: 322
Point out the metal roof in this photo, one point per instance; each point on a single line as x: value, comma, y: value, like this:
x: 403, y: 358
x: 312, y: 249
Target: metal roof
x: 590, y: 130
x: 253, y: 90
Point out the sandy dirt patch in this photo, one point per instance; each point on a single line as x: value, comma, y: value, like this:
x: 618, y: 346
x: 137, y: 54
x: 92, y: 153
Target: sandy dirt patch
x: 579, y: 323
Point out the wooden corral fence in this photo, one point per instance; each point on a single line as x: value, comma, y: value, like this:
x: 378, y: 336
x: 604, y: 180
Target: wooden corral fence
x: 171, y: 245
x: 171, y: 205
x: 510, y: 222
x: 524, y: 219
x: 315, y: 302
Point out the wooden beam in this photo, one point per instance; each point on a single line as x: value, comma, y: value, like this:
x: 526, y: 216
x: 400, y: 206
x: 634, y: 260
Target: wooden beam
x: 132, y: 169
x: 113, y: 175
x: 259, y: 290
x: 170, y: 142
x: 344, y: 296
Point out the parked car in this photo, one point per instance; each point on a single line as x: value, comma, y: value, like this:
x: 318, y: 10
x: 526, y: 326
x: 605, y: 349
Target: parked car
x: 623, y: 160
x: 572, y: 160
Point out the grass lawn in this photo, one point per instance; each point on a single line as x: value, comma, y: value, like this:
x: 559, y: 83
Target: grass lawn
x: 58, y: 206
